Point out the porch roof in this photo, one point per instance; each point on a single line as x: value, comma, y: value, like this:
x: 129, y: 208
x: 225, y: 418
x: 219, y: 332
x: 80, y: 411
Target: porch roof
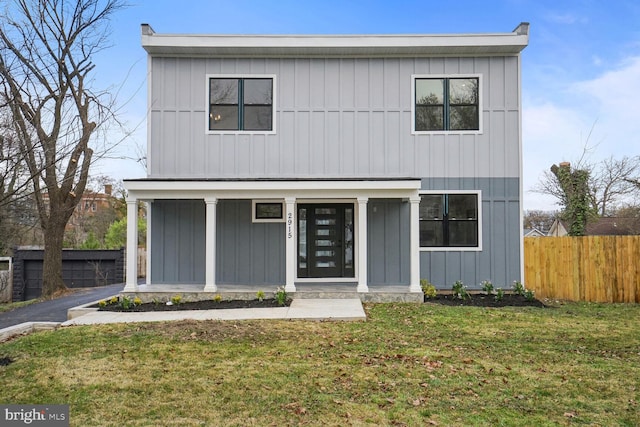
x: 352, y: 188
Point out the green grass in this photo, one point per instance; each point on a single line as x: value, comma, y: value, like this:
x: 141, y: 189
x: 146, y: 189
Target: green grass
x: 4, y: 307
x: 409, y: 364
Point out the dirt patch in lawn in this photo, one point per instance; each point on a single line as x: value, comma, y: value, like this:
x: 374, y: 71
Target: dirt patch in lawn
x: 483, y: 300
x: 197, y: 305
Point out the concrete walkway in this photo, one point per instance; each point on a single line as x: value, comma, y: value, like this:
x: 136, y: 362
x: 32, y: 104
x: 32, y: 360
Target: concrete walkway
x: 301, y: 309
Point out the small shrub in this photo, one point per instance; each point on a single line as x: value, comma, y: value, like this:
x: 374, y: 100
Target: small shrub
x: 499, y: 294
x: 529, y: 295
x: 428, y: 289
x: 281, y: 296
x: 460, y: 290
x: 176, y: 299
x: 113, y: 300
x: 487, y: 287
x: 137, y: 301
x: 102, y: 303
x: 518, y: 288
x: 217, y: 298
x: 156, y: 301
x: 260, y: 295
x: 126, y: 302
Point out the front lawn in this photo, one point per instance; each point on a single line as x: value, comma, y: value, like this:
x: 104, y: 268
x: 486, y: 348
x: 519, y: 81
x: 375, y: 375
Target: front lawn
x: 409, y: 364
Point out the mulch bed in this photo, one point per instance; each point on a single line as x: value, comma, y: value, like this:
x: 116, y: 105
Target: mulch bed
x: 483, y: 300
x: 475, y: 300
x: 199, y: 305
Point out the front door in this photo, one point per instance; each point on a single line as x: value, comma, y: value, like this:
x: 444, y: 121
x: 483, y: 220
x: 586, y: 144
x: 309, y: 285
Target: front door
x: 325, y: 240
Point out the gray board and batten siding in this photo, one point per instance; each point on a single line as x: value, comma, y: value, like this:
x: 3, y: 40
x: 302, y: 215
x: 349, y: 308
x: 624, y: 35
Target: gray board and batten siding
x: 335, y: 117
x: 252, y: 253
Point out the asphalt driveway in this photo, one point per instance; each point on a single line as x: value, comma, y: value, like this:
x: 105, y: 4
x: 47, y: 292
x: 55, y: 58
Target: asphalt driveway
x: 56, y: 310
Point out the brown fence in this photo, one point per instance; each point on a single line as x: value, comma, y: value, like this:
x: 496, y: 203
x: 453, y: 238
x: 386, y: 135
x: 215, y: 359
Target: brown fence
x: 591, y: 268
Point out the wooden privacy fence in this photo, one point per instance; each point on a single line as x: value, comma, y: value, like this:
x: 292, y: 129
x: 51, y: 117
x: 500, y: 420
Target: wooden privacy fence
x: 590, y: 268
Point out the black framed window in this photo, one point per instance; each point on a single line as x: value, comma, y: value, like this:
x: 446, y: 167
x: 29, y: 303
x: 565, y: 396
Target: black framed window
x: 449, y: 220
x: 241, y: 104
x: 449, y: 104
x: 268, y: 210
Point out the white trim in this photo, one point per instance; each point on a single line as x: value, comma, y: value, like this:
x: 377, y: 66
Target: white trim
x: 307, y: 190
x: 414, y: 244
x: 361, y: 244
x: 291, y: 244
x: 273, y: 77
x: 303, y: 280
x: 149, y: 225
x: 132, y: 246
x: 280, y: 202
x: 458, y: 248
x: 520, y: 171
x: 482, y: 44
x: 210, y: 245
x: 479, y: 131
x: 150, y: 105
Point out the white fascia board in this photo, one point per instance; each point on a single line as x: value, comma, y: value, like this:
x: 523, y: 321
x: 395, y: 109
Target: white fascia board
x: 150, y: 190
x: 334, y: 45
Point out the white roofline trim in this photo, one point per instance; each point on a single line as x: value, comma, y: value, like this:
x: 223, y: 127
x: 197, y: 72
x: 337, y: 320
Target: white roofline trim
x: 150, y: 190
x: 334, y: 45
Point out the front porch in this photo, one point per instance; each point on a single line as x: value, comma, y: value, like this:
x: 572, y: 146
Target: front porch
x: 317, y: 238
x: 376, y: 293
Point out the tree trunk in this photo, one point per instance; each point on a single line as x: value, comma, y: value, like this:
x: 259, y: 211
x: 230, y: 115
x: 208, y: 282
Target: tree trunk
x: 52, y: 283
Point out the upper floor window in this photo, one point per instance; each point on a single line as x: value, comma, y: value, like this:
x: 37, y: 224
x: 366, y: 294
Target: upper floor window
x: 241, y: 104
x: 449, y: 220
x: 446, y: 104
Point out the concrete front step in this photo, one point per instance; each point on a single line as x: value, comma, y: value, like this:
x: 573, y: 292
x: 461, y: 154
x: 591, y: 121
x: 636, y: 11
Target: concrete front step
x: 363, y: 296
x: 377, y: 293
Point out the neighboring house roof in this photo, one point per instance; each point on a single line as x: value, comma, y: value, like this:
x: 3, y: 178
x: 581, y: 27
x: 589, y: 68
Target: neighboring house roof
x: 559, y: 228
x: 605, y: 226
x: 533, y: 232
x: 335, y: 45
x: 613, y: 226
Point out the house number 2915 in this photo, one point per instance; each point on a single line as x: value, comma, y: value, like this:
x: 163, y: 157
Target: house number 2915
x: 289, y: 225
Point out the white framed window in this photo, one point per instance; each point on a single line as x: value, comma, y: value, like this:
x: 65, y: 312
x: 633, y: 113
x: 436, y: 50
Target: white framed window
x: 241, y: 103
x: 446, y: 103
x: 267, y: 211
x: 451, y: 220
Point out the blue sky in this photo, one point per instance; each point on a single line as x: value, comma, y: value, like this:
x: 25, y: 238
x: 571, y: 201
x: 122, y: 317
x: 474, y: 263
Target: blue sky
x: 581, y: 69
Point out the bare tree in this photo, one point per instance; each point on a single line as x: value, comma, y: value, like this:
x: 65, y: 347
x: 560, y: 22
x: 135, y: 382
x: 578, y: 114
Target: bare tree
x: 634, y: 182
x: 46, y: 64
x: 16, y: 210
x: 540, y: 220
x: 609, y: 182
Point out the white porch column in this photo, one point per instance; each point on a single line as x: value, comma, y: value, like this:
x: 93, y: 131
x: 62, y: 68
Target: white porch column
x: 362, y: 244
x: 149, y: 225
x: 290, y: 246
x: 131, y: 284
x: 210, y: 245
x: 414, y: 242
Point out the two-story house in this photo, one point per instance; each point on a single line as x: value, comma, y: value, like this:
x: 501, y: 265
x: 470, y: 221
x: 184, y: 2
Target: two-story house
x: 361, y: 161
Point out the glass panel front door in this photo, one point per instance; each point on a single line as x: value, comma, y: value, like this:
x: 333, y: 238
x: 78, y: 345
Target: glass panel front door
x: 325, y: 240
